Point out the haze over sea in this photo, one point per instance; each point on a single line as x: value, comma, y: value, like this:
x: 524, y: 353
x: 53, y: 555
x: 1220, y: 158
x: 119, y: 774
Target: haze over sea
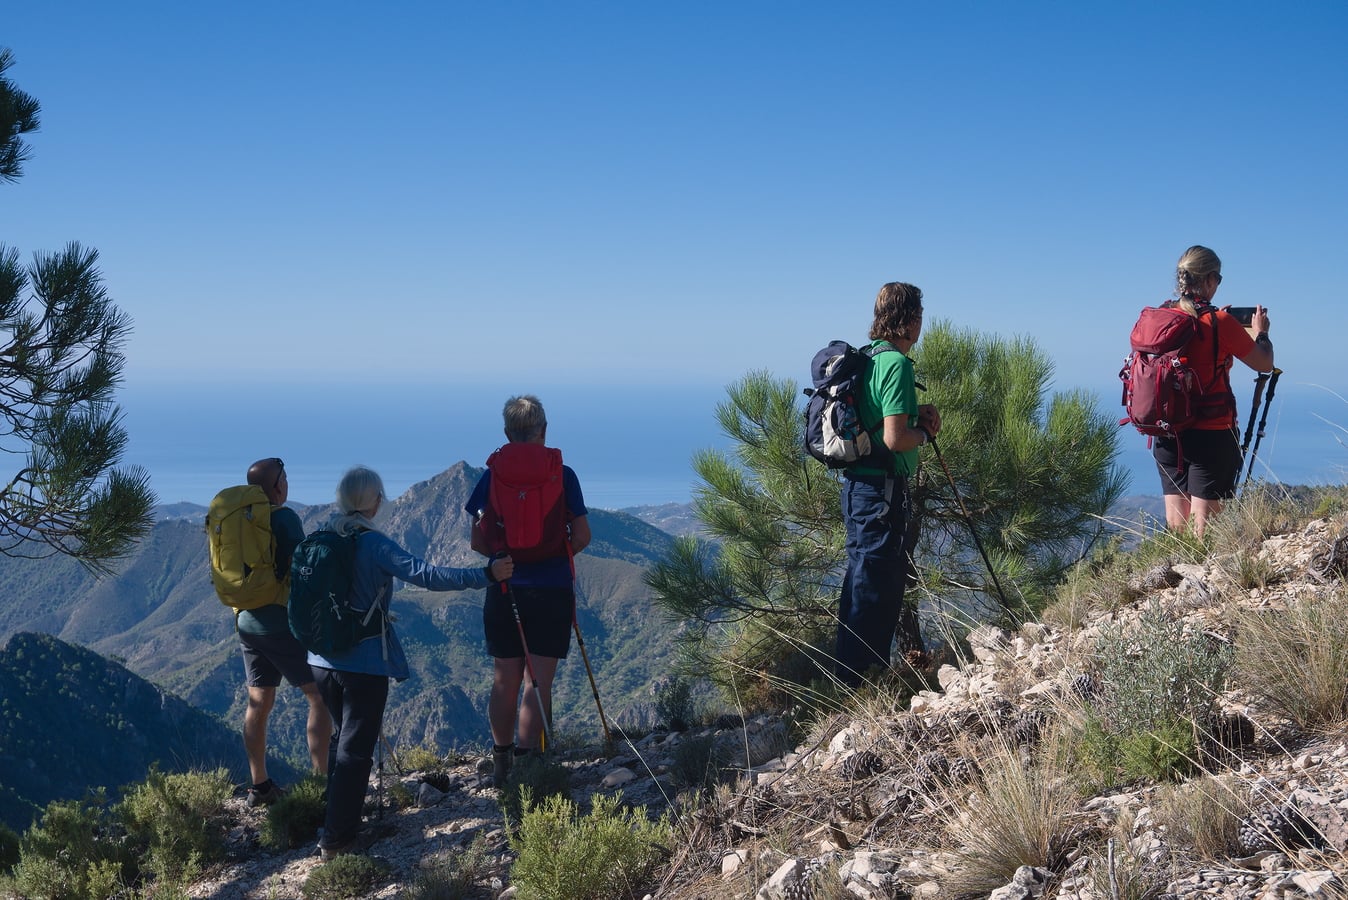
x: 631, y: 445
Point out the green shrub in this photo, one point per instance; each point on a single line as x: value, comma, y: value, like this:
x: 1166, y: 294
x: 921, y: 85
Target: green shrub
x: 674, y: 702
x: 1160, y: 680
x: 1165, y: 754
x: 9, y: 848
x: 175, y: 820
x: 348, y: 877
x: 695, y: 764
x: 295, y: 819
x: 74, y: 852
x: 562, y: 855
x: 533, y: 776
x: 452, y: 875
x: 420, y: 759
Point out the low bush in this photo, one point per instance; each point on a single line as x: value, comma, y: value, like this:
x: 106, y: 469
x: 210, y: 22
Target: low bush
x: 610, y: 853
x: 1160, y: 681
x: 74, y: 852
x: 674, y: 702
x: 419, y: 759
x: 9, y: 847
x: 533, y: 776
x: 174, y: 820
x: 295, y: 819
x: 348, y: 877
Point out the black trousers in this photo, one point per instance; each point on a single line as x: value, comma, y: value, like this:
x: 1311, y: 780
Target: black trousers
x: 356, y: 703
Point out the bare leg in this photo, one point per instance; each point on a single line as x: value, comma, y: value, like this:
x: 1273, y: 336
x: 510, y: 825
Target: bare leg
x: 531, y: 723
x: 1177, y: 511
x: 260, y: 702
x: 507, y: 675
x: 1202, y: 511
x: 318, y: 729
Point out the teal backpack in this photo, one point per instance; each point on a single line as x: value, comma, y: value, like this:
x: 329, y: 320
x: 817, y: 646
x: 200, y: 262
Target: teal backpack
x: 322, y: 575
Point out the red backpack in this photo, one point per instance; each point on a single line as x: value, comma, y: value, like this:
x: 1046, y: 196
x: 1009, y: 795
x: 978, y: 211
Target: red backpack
x: 526, y: 513
x: 1162, y: 394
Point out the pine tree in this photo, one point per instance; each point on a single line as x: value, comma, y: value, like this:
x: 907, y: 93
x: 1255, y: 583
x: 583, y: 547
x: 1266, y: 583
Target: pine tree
x: 61, y: 339
x: 758, y: 604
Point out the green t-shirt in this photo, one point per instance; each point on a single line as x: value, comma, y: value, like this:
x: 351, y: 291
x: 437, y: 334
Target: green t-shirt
x: 889, y: 390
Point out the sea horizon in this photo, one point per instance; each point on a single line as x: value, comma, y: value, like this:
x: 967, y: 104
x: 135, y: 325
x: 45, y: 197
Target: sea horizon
x: 630, y: 445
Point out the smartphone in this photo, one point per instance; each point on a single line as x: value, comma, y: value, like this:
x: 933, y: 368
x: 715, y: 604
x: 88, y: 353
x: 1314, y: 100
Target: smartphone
x: 1242, y: 314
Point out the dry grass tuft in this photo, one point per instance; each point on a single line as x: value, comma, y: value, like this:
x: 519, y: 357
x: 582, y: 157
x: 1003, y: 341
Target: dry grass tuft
x: 1294, y: 661
x: 1018, y: 814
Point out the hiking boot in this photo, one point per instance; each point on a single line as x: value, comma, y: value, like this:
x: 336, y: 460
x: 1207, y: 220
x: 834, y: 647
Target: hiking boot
x: 358, y: 844
x: 501, y: 759
x: 266, y: 795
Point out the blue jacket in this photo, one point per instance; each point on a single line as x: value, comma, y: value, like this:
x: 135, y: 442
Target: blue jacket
x: 378, y: 561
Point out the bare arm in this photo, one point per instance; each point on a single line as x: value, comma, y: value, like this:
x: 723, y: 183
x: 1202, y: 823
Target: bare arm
x: 477, y: 541
x: 580, y: 533
x: 901, y: 438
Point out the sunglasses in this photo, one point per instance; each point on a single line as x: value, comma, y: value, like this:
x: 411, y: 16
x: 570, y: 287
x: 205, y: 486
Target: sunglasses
x: 280, y: 470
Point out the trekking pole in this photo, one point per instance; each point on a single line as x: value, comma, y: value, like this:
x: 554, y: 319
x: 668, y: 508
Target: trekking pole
x: 1254, y: 411
x: 972, y: 530
x: 575, y: 623
x: 545, y: 739
x: 1263, y: 420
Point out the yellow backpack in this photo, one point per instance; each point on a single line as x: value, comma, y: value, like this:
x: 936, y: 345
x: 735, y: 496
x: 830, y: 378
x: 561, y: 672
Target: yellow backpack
x: 243, y: 549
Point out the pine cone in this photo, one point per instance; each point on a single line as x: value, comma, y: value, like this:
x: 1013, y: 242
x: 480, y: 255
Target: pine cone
x: 930, y: 767
x: 1027, y: 727
x: 862, y: 765
x: 1276, y: 828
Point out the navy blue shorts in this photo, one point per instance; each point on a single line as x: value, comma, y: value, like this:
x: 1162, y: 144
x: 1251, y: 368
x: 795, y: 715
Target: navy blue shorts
x: 546, y: 613
x: 1212, y: 462
x: 267, y: 657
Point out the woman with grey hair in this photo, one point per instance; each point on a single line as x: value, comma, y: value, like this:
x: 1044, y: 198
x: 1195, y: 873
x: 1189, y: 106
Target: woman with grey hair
x: 354, y: 683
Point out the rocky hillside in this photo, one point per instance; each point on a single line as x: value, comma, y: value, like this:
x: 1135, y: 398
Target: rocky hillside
x: 70, y: 720
x: 980, y: 778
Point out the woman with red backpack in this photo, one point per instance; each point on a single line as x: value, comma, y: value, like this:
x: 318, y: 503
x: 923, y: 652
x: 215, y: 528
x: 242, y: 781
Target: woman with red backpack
x: 1199, y: 466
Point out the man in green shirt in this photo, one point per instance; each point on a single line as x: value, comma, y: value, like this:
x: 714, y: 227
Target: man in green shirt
x: 875, y: 509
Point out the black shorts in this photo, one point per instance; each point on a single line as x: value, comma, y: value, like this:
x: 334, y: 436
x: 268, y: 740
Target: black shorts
x: 546, y: 613
x: 1212, y: 462
x: 266, y: 657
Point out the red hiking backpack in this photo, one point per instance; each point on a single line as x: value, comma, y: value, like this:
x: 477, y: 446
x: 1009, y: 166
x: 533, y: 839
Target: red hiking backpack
x: 1162, y: 394
x: 526, y: 514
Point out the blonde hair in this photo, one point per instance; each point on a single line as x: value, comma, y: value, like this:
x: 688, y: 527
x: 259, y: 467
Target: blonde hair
x: 1191, y: 277
x: 360, y: 490
x: 524, y: 418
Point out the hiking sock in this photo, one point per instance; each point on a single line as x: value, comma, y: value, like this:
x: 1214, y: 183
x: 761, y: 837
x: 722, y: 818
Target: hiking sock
x: 501, y: 758
x: 263, y: 787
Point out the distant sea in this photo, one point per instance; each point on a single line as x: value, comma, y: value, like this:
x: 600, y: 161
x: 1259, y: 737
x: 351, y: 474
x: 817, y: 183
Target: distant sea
x: 630, y: 445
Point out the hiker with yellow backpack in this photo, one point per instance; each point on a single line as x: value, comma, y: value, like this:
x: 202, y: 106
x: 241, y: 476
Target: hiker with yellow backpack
x: 252, y: 536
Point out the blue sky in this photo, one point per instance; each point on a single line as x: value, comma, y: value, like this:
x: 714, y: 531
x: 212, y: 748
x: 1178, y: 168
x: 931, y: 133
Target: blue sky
x: 502, y: 196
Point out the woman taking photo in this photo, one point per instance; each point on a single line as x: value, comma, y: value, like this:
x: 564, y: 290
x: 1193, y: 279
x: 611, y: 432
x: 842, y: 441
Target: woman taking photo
x: 1199, y: 467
